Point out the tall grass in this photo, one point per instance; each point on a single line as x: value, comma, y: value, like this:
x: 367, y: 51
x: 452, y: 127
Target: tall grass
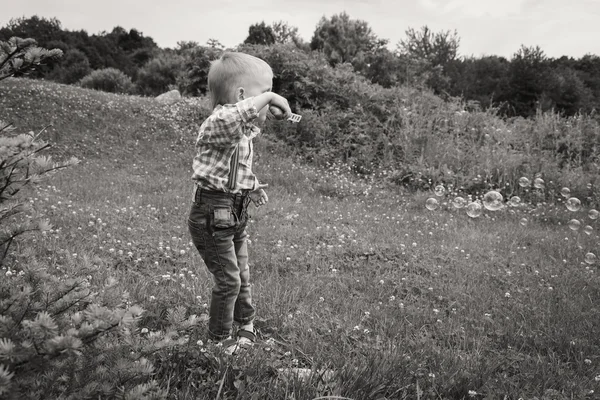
x: 350, y: 275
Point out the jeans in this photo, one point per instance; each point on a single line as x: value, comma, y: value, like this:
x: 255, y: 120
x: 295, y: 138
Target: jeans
x: 217, y: 225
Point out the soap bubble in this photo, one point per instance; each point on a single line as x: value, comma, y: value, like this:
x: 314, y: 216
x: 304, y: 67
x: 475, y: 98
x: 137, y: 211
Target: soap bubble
x: 593, y: 214
x: 474, y: 209
x: 573, y: 204
x: 524, y: 182
x: 574, y: 224
x: 565, y: 192
x: 514, y: 201
x: 492, y: 200
x: 439, y: 190
x: 524, y: 221
x: 539, y: 183
x: 431, y: 204
x: 590, y: 258
x: 588, y: 230
x: 459, y: 202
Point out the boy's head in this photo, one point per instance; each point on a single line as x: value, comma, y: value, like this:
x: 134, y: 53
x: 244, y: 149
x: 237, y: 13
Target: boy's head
x: 236, y: 76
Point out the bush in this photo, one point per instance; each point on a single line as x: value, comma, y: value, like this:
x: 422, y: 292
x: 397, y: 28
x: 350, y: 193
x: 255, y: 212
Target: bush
x: 74, y: 67
x: 193, y: 80
x: 57, y: 340
x: 108, y: 80
x: 159, y: 74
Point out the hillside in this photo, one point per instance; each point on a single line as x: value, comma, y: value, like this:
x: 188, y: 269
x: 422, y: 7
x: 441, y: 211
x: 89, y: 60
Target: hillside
x: 377, y: 295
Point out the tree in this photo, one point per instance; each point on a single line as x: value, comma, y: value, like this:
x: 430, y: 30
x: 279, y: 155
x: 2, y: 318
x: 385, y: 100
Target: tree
x: 437, y: 48
x: 159, y: 74
x: 42, y: 29
x: 344, y: 40
x: 484, y: 79
x: 566, y: 92
x: 427, y: 55
x: 196, y: 63
x: 284, y: 33
x: 260, y: 34
x: 382, y: 68
x: 528, y: 78
x: 214, y: 44
x: 73, y: 67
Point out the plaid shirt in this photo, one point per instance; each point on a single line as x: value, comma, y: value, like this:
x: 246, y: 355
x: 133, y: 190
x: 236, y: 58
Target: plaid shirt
x: 226, y: 127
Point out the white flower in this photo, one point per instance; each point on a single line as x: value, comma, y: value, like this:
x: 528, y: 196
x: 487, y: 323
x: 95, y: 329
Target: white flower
x: 472, y: 393
x: 507, y: 295
x: 144, y: 330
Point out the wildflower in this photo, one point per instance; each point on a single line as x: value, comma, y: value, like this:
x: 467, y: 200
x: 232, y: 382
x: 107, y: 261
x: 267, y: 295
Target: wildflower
x: 200, y: 343
x: 144, y: 330
x: 392, y: 298
x: 587, y: 361
x: 321, y: 299
x: 356, y: 328
x: 507, y: 295
x: 152, y: 298
x: 472, y: 393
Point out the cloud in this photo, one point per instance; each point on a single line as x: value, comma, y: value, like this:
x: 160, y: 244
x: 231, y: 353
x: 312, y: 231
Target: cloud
x: 476, y: 9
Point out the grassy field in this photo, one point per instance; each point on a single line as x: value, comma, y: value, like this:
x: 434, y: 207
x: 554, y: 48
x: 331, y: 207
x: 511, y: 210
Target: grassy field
x: 379, y: 296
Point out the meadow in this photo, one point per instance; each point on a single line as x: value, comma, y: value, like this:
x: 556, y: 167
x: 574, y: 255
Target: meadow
x: 354, y: 279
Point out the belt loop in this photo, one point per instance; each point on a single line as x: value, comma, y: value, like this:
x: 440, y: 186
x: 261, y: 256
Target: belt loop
x: 195, y: 192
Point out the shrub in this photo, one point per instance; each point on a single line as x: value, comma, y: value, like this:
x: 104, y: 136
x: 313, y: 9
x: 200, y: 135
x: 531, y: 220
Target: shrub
x: 108, y: 80
x: 159, y: 74
x: 196, y: 63
x: 74, y: 67
x: 20, y: 163
x: 57, y: 340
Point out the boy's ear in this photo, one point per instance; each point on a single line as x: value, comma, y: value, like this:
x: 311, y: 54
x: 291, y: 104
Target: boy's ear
x: 239, y: 93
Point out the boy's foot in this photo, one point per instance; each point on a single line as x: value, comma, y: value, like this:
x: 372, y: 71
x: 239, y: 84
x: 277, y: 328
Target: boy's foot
x: 229, y: 345
x: 246, y: 338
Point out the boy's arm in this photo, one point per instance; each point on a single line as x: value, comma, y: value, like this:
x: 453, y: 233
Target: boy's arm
x: 224, y: 127
x: 273, y: 99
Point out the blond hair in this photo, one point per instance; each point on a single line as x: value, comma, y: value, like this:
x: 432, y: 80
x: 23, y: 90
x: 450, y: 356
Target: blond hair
x: 230, y: 71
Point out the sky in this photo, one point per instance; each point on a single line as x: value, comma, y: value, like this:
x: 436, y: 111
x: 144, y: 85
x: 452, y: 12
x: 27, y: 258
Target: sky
x: 485, y: 27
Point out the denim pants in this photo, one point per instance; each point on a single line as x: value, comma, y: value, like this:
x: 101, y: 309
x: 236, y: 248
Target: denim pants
x: 217, y: 225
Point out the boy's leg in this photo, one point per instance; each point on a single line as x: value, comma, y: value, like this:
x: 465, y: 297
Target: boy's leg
x: 218, y: 252
x: 222, y: 263
x: 243, y: 312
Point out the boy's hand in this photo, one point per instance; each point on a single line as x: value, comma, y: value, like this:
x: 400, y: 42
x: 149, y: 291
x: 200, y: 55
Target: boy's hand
x: 279, y: 107
x: 258, y: 195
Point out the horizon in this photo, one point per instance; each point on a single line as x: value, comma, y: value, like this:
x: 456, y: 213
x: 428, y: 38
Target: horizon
x: 484, y: 29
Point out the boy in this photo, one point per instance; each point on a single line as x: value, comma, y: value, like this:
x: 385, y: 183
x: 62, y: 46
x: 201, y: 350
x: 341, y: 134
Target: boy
x: 240, y: 89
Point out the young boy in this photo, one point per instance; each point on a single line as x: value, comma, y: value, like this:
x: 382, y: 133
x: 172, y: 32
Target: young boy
x: 240, y: 89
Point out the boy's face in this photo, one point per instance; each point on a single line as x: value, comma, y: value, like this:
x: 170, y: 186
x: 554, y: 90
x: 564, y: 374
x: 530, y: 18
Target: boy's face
x: 256, y: 85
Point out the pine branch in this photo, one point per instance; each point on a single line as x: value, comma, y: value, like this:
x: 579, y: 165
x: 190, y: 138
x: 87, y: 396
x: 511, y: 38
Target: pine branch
x: 11, y: 55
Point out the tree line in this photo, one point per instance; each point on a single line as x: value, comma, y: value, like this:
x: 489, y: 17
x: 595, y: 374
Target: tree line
x: 520, y: 86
